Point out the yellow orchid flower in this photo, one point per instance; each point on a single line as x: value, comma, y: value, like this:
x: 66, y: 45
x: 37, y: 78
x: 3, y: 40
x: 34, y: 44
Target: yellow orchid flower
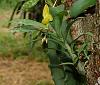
x: 47, y: 17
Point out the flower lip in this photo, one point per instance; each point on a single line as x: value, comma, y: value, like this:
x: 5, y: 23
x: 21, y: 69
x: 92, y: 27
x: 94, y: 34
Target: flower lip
x: 47, y: 17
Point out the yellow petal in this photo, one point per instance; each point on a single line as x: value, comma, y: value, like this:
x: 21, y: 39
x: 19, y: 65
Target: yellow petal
x: 45, y: 20
x: 50, y: 17
x: 46, y: 15
x: 45, y: 10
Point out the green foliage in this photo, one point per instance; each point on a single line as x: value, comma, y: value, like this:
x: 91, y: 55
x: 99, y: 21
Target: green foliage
x: 7, y: 3
x: 64, y: 54
x: 50, y: 2
x: 8, y: 46
x: 57, y: 10
x: 80, y: 6
x: 15, y: 47
x: 26, y: 22
x: 29, y: 4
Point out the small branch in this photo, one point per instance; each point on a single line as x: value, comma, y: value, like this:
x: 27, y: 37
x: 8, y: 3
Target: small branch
x: 54, y: 3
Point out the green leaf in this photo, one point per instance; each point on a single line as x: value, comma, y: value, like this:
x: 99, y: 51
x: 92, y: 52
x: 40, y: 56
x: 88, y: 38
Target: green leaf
x: 80, y: 6
x: 82, y: 48
x: 56, y: 24
x: 28, y: 22
x: 29, y: 4
x: 24, y: 28
x: 57, y: 10
x: 80, y: 67
x: 89, y: 33
x: 64, y: 29
x: 69, y: 37
x: 56, y: 40
x: 62, y: 1
x: 56, y: 72
x: 49, y: 2
x: 86, y: 54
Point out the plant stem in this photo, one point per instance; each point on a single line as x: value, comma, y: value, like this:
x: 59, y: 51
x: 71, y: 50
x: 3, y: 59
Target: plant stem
x: 54, y: 3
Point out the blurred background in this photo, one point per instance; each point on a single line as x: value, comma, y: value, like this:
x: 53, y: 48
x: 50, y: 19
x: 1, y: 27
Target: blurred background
x: 15, y: 45
x: 20, y: 64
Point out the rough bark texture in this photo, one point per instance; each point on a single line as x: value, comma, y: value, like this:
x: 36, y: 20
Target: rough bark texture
x: 91, y: 23
x: 93, y: 68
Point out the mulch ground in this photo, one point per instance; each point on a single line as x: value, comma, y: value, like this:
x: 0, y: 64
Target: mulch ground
x: 23, y: 72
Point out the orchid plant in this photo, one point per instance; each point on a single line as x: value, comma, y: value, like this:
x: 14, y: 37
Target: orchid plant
x: 66, y: 66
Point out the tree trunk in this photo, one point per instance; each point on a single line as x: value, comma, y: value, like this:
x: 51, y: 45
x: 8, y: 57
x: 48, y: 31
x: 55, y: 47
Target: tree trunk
x: 91, y: 23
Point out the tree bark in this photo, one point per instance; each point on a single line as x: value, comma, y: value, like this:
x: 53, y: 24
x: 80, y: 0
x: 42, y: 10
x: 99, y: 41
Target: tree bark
x: 91, y: 23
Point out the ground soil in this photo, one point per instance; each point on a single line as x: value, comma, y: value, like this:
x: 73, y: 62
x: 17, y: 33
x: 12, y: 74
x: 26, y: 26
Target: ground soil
x: 23, y: 72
